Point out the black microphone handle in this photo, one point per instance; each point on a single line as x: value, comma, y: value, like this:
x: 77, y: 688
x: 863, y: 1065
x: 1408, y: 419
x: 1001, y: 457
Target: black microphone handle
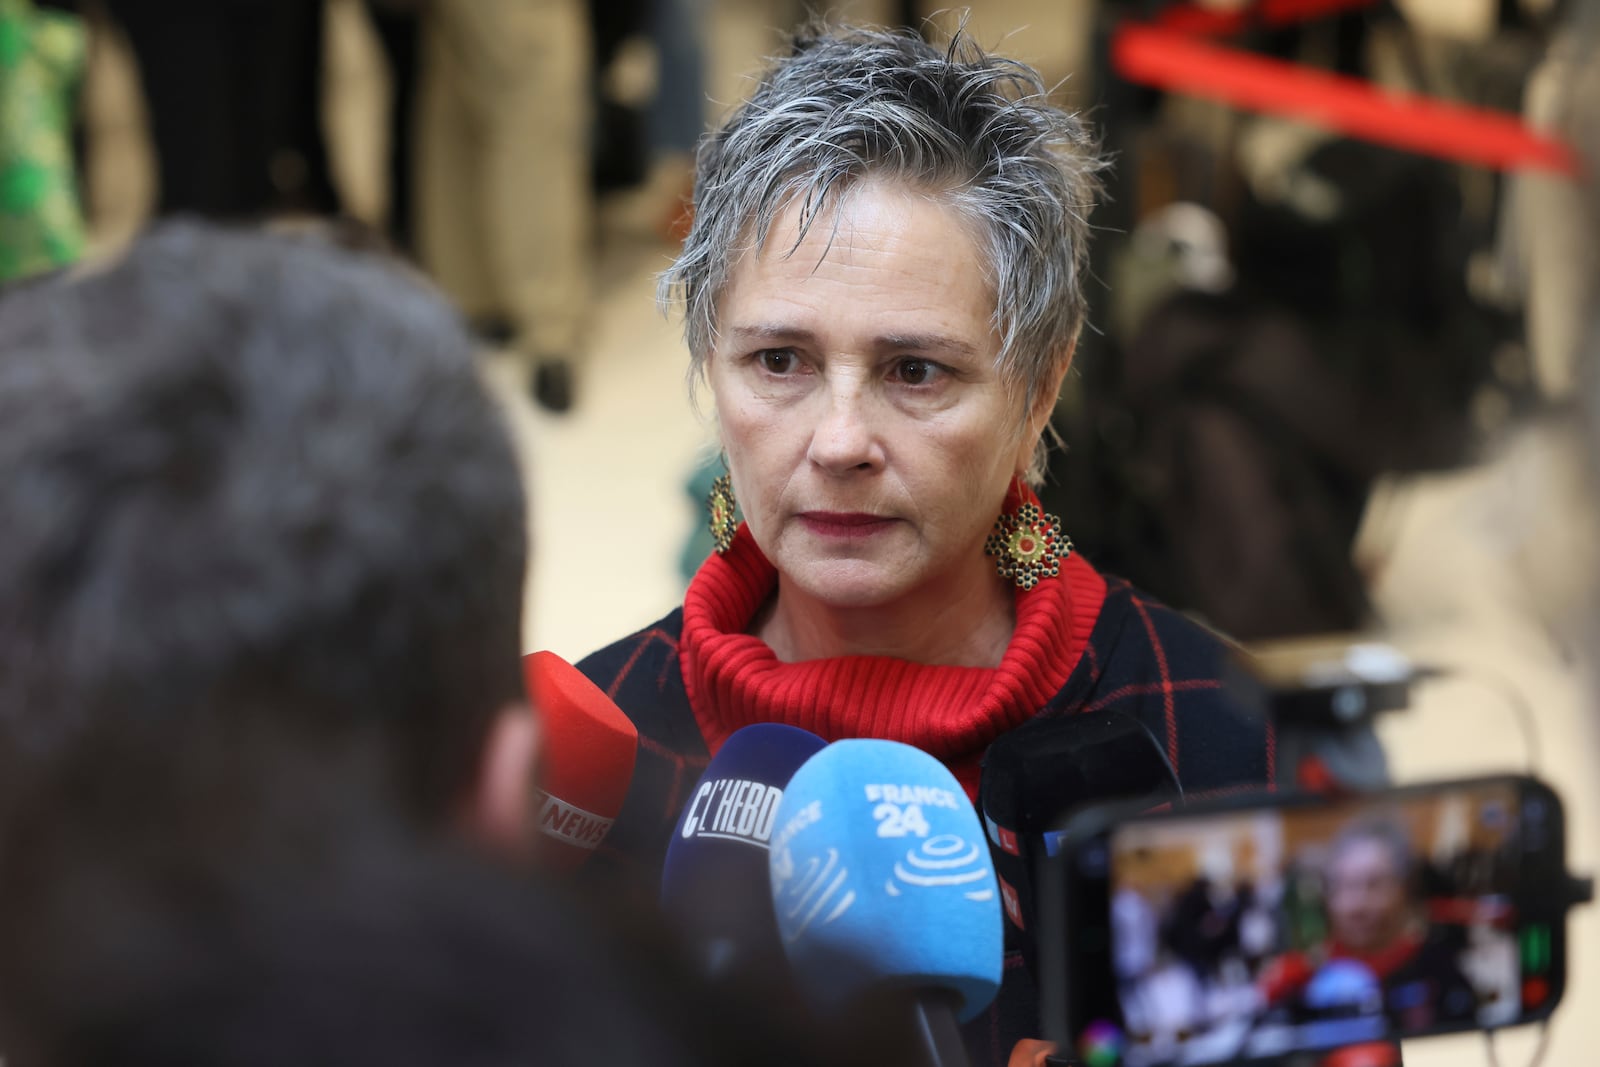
x: 938, y: 1034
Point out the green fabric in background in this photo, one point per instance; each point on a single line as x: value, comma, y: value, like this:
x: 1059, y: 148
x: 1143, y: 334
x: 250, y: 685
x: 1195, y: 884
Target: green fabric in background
x: 42, y: 57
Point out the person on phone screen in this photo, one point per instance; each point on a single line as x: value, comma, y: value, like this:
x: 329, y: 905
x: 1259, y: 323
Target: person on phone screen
x: 1380, y: 953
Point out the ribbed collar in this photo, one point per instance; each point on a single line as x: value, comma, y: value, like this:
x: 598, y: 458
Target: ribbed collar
x: 734, y: 679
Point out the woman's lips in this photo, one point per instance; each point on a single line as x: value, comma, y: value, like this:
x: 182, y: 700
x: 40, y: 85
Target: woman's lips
x: 844, y: 524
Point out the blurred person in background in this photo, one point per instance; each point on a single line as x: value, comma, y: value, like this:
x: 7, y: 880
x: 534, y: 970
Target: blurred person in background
x: 41, y: 67
x: 247, y: 471
x: 678, y: 109
x: 882, y: 290
x: 642, y: 122
x: 620, y: 35
x: 234, y: 94
x: 1515, y: 643
x: 504, y: 209
x: 397, y: 25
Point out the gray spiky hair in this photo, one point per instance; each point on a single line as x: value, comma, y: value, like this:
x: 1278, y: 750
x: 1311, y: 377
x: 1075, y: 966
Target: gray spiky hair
x: 973, y: 130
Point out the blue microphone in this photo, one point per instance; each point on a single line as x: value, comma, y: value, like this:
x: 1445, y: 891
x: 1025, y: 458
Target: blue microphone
x: 882, y: 882
x: 714, y: 883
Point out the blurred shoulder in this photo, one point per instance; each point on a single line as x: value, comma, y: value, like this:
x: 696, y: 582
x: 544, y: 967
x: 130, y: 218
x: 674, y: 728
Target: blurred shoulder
x: 1173, y: 673
x: 641, y: 674
x: 1135, y: 629
x: 618, y: 662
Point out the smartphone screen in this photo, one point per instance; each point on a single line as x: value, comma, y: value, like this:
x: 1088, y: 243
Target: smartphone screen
x: 1249, y: 934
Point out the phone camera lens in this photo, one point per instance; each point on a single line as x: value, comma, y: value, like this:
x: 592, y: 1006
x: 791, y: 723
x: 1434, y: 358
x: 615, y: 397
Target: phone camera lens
x: 1349, y: 703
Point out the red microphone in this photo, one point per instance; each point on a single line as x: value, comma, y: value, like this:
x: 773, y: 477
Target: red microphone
x: 588, y: 751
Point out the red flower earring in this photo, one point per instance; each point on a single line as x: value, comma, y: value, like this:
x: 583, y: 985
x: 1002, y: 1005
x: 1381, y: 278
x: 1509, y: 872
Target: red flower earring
x: 1027, y: 544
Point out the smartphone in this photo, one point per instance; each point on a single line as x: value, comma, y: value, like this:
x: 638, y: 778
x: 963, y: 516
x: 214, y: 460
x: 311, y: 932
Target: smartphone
x: 1249, y: 931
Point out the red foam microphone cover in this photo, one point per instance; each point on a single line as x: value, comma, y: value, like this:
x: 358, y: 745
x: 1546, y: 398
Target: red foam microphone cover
x: 588, y: 749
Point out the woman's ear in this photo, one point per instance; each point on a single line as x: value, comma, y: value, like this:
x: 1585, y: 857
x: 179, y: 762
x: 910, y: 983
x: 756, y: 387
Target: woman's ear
x: 1041, y: 408
x: 1044, y: 402
x: 501, y: 807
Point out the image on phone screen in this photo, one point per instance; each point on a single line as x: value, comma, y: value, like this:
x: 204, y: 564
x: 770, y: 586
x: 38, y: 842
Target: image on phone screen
x: 1249, y: 934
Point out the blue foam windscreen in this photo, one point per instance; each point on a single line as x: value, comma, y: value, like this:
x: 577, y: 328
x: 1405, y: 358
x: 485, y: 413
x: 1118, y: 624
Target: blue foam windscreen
x: 881, y: 877
x: 714, y: 883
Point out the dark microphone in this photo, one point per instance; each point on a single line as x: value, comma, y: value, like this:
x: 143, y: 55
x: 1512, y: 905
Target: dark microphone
x: 882, y: 885
x: 1040, y: 772
x: 588, y: 747
x: 714, y: 883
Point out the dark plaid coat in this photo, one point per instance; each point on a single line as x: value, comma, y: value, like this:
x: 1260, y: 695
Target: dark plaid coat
x: 1141, y: 656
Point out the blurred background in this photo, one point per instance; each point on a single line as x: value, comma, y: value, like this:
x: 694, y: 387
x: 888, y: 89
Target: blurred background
x: 1335, y: 381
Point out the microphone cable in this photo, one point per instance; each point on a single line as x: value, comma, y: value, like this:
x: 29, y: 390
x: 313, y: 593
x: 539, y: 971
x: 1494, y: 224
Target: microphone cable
x: 1539, y: 1050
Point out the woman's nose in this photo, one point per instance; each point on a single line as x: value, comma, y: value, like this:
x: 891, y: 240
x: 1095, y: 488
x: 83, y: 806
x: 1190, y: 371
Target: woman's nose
x: 844, y: 438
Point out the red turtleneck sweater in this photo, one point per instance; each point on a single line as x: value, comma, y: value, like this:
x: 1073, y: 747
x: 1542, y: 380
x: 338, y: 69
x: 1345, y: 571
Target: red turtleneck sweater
x: 734, y: 679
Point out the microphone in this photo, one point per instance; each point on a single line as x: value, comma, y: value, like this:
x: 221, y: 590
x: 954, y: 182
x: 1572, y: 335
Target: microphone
x: 714, y: 880
x: 1040, y: 772
x: 1345, y: 1001
x: 881, y: 884
x: 589, y: 747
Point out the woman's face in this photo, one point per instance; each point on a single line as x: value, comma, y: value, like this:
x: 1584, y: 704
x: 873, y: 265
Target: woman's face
x: 869, y: 436
x: 1367, y: 906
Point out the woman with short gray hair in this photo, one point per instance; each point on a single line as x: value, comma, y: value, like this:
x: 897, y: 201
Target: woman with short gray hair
x: 972, y: 131
x: 882, y: 290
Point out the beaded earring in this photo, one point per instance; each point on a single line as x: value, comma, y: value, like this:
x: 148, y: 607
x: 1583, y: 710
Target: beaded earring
x: 1027, y: 544
x: 724, y: 512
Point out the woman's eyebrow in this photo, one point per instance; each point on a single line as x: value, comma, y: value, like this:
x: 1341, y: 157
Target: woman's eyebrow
x: 772, y: 332
x: 769, y: 332
x: 927, y: 342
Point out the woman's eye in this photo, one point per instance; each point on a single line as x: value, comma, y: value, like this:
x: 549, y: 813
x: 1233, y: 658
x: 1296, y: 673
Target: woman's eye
x: 915, y: 371
x: 777, y: 360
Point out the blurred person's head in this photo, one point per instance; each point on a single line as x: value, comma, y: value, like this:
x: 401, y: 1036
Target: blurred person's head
x: 1369, y: 886
x: 234, y: 906
x: 257, y: 930
x: 244, y: 471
